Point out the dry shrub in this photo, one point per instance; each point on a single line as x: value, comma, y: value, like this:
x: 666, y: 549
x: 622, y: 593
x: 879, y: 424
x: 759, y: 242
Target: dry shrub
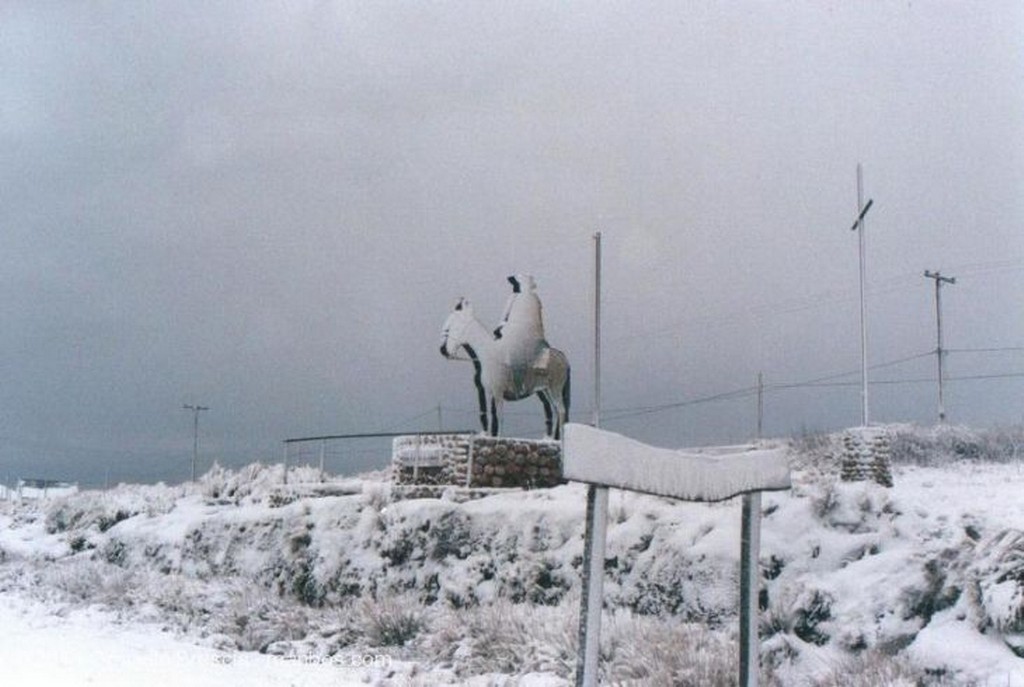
x: 391, y: 621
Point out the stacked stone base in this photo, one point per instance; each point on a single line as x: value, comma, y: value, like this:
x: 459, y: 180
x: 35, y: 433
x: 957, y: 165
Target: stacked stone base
x: 867, y: 455
x: 504, y: 462
x: 476, y: 462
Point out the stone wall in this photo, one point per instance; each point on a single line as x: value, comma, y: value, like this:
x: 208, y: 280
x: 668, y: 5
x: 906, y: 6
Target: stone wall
x: 426, y: 458
x: 476, y: 461
x: 866, y: 456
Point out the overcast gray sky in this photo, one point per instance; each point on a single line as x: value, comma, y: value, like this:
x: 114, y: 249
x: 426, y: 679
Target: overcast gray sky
x: 269, y: 208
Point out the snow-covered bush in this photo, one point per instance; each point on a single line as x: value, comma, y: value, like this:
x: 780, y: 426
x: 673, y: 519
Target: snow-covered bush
x: 874, y: 669
x: 942, y: 444
x: 798, y: 611
x: 93, y: 581
x: 391, y: 621
x: 506, y: 637
x: 855, y: 507
x: 256, y: 619
x: 101, y: 510
x: 815, y: 448
x: 520, y: 638
x: 916, y: 445
x: 998, y: 573
x: 664, y: 652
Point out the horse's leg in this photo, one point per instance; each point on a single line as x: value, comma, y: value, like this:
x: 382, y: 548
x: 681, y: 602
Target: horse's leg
x: 566, y: 393
x: 548, y: 412
x: 560, y: 398
x: 559, y: 417
x: 481, y: 396
x: 494, y: 416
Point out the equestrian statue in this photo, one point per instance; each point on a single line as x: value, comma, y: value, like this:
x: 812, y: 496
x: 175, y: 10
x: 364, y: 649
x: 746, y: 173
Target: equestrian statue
x: 512, y: 362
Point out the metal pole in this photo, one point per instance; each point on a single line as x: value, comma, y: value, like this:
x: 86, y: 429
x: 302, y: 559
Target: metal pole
x: 416, y: 461
x: 597, y: 329
x: 940, y: 352
x: 323, y: 450
x: 195, y: 441
x: 858, y: 226
x: 285, y: 480
x: 750, y: 545
x: 196, y: 409
x: 760, y: 405
x: 592, y: 599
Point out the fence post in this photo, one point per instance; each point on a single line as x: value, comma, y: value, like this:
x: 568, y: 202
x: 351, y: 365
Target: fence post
x: 469, y: 463
x: 416, y: 461
x: 323, y: 450
x: 750, y: 548
x: 285, y: 463
x: 593, y: 586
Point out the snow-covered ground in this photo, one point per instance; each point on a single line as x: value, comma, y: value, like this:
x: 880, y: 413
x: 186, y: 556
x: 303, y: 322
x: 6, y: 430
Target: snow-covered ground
x: 240, y: 580
x: 60, y: 645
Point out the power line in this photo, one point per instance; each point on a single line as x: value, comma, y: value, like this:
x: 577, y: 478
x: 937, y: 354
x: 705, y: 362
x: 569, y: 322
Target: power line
x: 407, y: 421
x: 745, y: 392
x: 840, y: 375
x: 917, y: 380
x: 1011, y: 265
x: 728, y: 395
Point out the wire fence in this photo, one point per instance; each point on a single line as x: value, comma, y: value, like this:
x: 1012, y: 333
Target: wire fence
x: 348, y: 454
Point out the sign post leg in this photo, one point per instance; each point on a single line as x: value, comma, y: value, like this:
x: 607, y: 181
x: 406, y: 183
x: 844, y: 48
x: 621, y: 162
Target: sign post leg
x: 593, y: 587
x: 750, y: 549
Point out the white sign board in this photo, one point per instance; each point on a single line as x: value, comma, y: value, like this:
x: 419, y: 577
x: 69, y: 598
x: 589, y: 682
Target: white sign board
x: 600, y: 457
x: 605, y: 459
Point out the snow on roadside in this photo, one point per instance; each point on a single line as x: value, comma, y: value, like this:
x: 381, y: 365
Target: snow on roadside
x: 86, y: 646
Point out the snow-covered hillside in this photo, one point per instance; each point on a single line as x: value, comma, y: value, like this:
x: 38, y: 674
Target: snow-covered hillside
x: 861, y: 584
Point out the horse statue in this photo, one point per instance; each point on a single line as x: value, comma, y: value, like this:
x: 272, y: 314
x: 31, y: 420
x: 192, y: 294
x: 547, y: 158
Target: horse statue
x: 508, y: 365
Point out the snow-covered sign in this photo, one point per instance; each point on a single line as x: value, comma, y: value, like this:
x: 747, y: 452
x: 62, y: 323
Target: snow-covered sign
x: 600, y: 457
x: 605, y: 459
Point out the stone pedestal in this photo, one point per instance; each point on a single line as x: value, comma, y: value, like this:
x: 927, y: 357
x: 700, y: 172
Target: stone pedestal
x: 867, y: 455
x: 476, y: 461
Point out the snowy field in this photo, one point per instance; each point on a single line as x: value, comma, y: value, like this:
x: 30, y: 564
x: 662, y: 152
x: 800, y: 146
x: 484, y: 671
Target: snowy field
x: 239, y: 580
x: 48, y: 645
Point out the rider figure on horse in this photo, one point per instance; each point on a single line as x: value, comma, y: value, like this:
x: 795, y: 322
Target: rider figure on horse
x: 522, y: 329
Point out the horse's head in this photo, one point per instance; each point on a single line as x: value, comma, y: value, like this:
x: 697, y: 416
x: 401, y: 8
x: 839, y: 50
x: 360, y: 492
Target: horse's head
x: 454, y: 328
x: 522, y: 283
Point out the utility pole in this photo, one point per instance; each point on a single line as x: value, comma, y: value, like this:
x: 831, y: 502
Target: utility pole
x: 760, y: 405
x: 596, y: 524
x: 597, y: 329
x: 939, y: 351
x: 858, y: 226
x: 196, y: 409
